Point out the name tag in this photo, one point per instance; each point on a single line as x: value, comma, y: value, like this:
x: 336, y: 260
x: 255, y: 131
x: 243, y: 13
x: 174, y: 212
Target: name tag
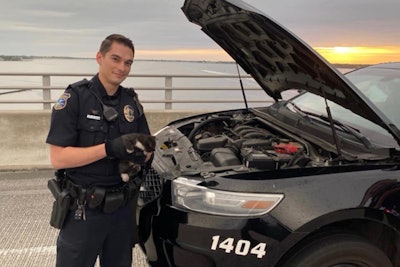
x: 93, y: 117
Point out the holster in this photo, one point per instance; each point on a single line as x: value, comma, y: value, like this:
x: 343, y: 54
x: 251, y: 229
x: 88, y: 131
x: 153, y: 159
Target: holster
x: 61, y: 204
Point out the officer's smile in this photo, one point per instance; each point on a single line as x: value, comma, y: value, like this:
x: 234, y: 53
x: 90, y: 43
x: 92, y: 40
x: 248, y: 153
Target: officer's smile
x: 120, y: 75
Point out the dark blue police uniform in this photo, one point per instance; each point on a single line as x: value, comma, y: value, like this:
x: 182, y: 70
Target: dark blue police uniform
x: 77, y: 120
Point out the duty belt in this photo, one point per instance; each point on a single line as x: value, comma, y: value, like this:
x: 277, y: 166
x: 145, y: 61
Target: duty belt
x: 109, y: 199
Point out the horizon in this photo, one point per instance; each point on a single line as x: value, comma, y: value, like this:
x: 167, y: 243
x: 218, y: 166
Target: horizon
x: 365, y: 55
x: 27, y: 57
x: 348, y: 55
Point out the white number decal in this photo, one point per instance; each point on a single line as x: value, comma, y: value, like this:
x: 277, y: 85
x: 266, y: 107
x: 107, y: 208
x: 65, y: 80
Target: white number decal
x: 260, y: 250
x: 242, y: 247
x: 215, y: 242
x: 227, y: 244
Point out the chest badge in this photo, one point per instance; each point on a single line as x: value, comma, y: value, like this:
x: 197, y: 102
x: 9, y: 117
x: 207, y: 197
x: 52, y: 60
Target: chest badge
x: 129, y: 113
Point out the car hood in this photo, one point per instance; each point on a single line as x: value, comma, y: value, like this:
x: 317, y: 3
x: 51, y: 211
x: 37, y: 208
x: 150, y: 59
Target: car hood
x: 276, y: 58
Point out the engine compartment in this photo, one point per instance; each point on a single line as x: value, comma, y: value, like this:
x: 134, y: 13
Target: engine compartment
x: 243, y: 139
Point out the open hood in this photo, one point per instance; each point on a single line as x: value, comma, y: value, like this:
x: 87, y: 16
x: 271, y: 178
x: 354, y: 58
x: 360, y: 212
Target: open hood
x: 276, y: 58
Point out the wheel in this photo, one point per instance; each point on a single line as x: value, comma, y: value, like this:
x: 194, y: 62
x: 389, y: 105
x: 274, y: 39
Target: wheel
x: 339, y: 250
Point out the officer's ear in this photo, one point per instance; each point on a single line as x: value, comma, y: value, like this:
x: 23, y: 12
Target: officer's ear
x: 99, y: 57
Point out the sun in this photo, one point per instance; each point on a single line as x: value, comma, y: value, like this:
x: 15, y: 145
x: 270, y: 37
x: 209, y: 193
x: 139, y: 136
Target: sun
x: 341, y: 54
x: 343, y: 49
x: 359, y: 54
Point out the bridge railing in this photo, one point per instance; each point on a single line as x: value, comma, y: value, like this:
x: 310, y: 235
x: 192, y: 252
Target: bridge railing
x: 167, y: 87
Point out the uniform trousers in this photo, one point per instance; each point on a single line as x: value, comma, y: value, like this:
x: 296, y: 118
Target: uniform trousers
x: 104, y: 235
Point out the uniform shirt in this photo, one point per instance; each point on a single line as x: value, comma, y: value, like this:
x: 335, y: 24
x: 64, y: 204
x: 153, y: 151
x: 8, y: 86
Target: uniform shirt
x: 77, y: 120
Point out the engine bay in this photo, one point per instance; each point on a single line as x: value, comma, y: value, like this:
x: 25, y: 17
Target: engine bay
x: 237, y: 141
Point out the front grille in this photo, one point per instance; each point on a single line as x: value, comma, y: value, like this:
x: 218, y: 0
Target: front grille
x: 151, y: 188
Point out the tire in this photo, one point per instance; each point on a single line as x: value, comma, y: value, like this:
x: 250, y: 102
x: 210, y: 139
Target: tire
x: 339, y: 250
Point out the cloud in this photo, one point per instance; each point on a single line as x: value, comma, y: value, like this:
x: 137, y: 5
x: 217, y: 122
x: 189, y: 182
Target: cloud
x: 76, y: 27
x: 46, y: 13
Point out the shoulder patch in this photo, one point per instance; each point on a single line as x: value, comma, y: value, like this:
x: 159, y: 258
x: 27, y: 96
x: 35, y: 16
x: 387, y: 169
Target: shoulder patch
x: 62, y: 101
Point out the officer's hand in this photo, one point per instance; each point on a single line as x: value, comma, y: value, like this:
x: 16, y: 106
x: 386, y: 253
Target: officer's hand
x: 134, y: 146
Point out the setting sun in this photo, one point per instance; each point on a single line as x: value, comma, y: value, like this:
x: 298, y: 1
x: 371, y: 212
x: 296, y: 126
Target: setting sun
x: 359, y: 54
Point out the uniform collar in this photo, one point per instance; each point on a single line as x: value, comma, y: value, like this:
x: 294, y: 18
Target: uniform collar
x: 102, y: 93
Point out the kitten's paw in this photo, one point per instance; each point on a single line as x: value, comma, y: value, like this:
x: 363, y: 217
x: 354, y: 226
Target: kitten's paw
x: 125, y: 177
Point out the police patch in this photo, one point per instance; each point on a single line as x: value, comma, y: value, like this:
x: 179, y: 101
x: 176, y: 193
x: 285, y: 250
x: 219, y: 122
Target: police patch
x: 129, y: 113
x: 62, y: 101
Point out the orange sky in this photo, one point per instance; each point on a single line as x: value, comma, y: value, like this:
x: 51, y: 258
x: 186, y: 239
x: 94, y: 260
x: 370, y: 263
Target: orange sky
x: 360, y: 54
x: 336, y: 55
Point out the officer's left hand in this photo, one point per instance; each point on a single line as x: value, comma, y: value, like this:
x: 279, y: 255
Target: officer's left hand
x: 139, y: 143
x: 132, y: 146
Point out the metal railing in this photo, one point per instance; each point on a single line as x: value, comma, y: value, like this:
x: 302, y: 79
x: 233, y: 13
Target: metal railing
x: 168, y: 88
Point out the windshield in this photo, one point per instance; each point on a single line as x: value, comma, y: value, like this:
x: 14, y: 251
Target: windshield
x: 381, y: 86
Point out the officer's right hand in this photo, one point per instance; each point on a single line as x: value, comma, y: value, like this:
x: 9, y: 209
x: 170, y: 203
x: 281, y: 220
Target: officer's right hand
x: 134, y: 146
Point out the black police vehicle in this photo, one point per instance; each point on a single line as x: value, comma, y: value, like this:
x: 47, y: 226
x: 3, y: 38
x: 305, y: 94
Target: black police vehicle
x: 312, y: 181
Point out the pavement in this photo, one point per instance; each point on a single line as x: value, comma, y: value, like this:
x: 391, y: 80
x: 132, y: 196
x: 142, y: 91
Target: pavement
x: 26, y: 237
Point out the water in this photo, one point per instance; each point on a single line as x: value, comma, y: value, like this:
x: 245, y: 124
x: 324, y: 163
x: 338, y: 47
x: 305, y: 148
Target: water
x: 52, y: 65
x: 139, y: 67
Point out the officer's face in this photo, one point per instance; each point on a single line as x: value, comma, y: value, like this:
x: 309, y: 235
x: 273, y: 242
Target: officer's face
x: 114, y: 66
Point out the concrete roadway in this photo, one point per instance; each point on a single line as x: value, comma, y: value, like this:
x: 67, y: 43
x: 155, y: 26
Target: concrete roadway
x: 26, y: 237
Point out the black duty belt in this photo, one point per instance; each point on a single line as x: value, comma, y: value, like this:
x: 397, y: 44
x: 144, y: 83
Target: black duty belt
x: 109, y: 199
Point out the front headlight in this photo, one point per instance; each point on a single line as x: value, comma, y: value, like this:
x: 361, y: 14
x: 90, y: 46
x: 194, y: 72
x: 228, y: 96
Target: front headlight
x: 187, y: 194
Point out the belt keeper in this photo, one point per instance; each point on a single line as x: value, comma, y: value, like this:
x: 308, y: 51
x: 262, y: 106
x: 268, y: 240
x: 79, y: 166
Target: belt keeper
x: 82, y: 196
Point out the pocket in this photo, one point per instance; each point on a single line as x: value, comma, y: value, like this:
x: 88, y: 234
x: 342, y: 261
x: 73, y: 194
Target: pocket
x: 91, y: 132
x: 96, y: 196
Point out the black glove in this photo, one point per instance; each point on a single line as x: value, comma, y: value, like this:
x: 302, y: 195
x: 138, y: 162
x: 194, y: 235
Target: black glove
x: 132, y: 146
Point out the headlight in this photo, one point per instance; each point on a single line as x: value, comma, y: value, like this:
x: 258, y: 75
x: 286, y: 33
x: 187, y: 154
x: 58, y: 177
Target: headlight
x: 187, y: 194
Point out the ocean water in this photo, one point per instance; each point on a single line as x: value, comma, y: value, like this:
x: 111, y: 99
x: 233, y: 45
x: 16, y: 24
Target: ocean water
x: 53, y: 65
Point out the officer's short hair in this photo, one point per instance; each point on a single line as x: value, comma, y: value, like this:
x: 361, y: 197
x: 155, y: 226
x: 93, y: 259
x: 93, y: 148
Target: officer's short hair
x: 106, y: 44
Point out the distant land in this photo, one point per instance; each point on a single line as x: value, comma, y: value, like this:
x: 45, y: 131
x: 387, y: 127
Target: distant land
x: 25, y: 58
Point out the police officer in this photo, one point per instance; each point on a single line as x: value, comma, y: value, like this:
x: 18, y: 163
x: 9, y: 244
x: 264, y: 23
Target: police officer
x: 95, y: 124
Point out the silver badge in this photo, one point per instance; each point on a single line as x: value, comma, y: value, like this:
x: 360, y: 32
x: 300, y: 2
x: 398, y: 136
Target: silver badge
x: 129, y: 113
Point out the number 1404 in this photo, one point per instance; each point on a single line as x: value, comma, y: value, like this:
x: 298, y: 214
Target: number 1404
x: 241, y: 247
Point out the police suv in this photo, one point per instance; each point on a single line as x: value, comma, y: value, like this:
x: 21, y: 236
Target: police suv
x: 312, y: 181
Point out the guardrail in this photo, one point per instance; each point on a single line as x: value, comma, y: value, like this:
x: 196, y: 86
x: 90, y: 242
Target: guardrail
x: 168, y: 87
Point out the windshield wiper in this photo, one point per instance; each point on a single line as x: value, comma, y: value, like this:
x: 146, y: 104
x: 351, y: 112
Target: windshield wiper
x: 348, y: 129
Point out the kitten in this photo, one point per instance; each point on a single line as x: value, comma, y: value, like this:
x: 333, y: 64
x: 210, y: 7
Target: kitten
x: 130, y: 168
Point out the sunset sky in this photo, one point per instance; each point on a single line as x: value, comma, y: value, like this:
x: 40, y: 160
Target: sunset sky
x: 351, y: 31
x: 360, y: 54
